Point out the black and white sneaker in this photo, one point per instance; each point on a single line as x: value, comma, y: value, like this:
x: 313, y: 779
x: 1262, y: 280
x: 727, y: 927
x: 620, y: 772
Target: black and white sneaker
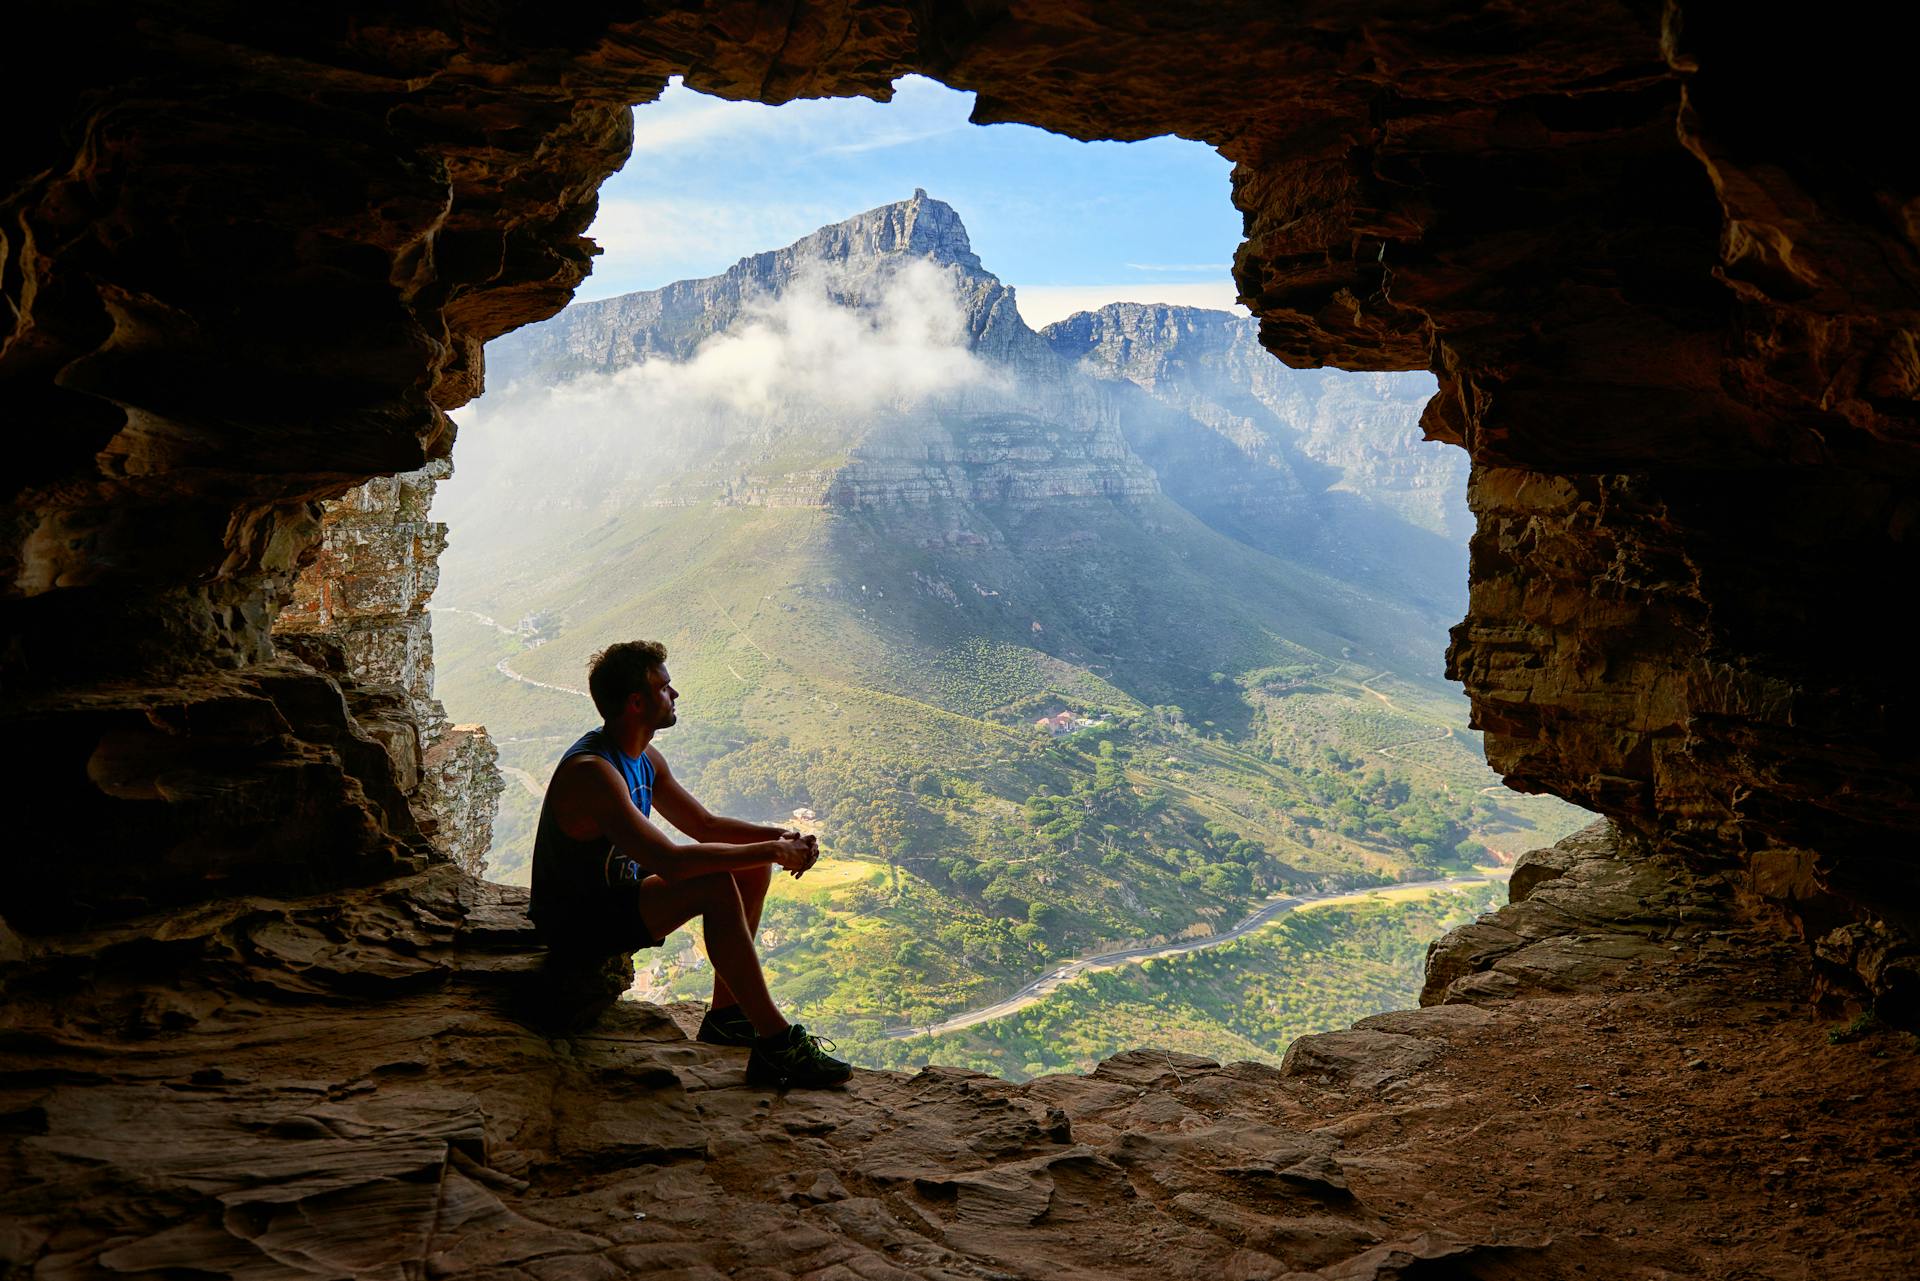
x: 793, y: 1059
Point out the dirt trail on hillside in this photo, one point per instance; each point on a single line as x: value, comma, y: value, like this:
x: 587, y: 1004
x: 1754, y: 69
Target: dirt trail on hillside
x: 1445, y: 731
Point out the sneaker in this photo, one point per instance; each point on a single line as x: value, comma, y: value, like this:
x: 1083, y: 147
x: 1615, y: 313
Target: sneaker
x: 795, y: 1059
x: 726, y: 1026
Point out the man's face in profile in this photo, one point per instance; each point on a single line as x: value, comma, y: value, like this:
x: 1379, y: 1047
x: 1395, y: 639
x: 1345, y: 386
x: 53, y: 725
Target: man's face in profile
x: 656, y: 704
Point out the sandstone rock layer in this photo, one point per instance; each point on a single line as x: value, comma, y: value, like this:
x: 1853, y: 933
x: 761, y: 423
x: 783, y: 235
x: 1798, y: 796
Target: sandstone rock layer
x: 386, y: 1083
x: 358, y: 612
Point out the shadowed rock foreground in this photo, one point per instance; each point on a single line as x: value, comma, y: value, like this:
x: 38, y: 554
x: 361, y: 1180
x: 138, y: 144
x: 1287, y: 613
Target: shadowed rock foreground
x: 1621, y: 1080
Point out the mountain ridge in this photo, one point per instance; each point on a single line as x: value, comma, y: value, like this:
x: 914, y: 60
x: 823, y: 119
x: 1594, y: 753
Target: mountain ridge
x: 1121, y: 403
x: 675, y: 318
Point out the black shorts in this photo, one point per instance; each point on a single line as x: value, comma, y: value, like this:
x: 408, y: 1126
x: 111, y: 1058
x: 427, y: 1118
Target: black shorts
x: 603, y: 924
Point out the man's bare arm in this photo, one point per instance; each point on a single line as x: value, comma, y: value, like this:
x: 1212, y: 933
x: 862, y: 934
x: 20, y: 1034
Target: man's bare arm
x: 595, y: 792
x: 693, y: 818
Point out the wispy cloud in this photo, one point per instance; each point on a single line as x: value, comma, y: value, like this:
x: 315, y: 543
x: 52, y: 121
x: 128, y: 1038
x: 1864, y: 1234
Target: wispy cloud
x: 804, y: 367
x: 901, y: 139
x: 907, y: 343
x: 681, y: 119
x: 1181, y: 266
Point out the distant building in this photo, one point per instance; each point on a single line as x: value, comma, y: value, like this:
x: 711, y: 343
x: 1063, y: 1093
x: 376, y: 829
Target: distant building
x: 804, y: 814
x: 1066, y: 723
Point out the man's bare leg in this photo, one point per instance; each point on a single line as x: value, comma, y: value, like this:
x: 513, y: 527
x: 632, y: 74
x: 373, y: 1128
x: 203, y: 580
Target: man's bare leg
x: 667, y: 905
x: 753, y: 883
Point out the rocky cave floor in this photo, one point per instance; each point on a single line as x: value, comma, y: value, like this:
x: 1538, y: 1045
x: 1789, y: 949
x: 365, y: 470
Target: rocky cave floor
x: 1624, y: 1080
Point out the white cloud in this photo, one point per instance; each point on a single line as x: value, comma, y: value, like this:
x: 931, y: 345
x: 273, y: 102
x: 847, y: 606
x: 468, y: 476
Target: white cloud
x: 1044, y: 304
x: 1181, y: 266
x: 800, y: 367
x: 680, y: 118
x: 908, y: 343
x: 900, y: 138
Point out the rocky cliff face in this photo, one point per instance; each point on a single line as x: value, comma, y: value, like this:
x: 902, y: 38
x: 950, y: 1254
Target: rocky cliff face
x: 849, y: 257
x: 369, y: 581
x: 358, y: 611
x: 1326, y: 468
x: 1120, y: 406
x: 1211, y: 367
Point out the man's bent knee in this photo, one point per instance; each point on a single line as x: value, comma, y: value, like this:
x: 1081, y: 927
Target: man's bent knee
x: 716, y: 890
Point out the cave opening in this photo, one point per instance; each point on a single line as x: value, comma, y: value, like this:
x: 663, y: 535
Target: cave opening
x: 1666, y: 284
x: 1169, y: 614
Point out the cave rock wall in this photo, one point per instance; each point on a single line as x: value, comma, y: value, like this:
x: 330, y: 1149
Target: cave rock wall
x: 1668, y: 278
x: 366, y: 591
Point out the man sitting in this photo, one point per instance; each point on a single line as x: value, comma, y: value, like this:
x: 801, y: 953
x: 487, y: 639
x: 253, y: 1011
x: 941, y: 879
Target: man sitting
x: 606, y: 879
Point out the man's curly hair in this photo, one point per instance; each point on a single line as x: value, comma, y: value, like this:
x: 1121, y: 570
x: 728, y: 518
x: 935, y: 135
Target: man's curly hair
x: 620, y: 671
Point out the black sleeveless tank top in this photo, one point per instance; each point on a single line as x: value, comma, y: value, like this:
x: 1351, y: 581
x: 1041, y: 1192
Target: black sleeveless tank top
x: 574, y: 905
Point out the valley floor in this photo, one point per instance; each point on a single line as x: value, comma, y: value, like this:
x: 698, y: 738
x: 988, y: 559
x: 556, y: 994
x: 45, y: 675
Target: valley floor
x: 1052, y: 979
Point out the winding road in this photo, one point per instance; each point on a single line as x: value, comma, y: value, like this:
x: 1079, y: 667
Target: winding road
x: 525, y: 780
x: 1052, y: 979
x: 505, y: 665
x: 512, y: 675
x: 485, y: 620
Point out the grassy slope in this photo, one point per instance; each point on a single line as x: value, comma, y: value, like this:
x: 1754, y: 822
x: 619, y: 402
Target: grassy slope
x: 902, y: 713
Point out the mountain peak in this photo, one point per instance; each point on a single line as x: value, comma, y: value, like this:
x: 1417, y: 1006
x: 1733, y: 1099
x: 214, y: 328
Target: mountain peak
x: 917, y: 227
x: 673, y: 320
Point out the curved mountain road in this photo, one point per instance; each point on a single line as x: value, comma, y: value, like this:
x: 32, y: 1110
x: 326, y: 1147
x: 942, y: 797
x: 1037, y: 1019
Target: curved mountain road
x: 508, y: 672
x: 505, y: 665
x: 526, y: 780
x: 1052, y: 979
x: 485, y: 620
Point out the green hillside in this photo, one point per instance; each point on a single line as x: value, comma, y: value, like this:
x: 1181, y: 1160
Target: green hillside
x: 1232, y: 760
x: 884, y: 528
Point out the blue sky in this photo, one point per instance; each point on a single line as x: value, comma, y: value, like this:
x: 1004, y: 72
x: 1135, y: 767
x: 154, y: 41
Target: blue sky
x: 1069, y: 224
